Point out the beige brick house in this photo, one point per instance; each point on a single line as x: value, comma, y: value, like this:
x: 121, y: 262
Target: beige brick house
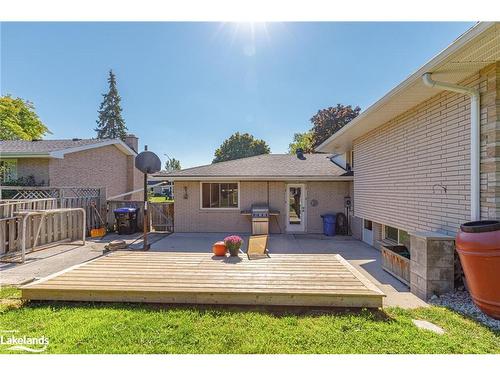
x: 107, y: 163
x: 297, y: 190
x: 426, y: 156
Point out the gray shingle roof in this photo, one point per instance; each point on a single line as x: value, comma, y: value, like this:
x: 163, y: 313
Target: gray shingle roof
x: 270, y: 166
x: 45, y: 145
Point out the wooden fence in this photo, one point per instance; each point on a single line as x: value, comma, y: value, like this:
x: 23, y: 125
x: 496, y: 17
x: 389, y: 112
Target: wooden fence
x: 53, y: 228
x: 161, y: 214
x: 93, y: 200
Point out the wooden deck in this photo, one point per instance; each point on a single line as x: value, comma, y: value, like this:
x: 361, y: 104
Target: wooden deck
x: 200, y: 278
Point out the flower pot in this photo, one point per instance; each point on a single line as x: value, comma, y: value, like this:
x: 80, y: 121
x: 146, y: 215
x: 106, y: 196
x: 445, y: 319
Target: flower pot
x: 219, y: 249
x: 234, y: 252
x: 478, y: 246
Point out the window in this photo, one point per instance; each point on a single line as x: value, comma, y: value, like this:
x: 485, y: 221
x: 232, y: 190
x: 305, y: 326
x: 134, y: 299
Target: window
x: 368, y: 224
x: 397, y: 235
x: 8, y: 170
x: 219, y: 195
x: 391, y: 233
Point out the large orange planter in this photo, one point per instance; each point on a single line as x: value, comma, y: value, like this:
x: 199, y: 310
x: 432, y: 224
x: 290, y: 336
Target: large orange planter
x: 478, y: 245
x: 219, y: 249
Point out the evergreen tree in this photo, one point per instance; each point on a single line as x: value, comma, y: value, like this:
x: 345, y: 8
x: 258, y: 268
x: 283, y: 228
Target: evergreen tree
x: 110, y: 123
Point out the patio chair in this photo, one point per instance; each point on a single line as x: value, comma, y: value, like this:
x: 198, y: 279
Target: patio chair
x: 257, y: 247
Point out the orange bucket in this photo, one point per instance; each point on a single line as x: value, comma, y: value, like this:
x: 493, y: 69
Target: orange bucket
x: 99, y: 232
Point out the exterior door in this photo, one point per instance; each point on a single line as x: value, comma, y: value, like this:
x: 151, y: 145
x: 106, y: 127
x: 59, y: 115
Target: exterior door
x: 367, y: 232
x: 295, y: 207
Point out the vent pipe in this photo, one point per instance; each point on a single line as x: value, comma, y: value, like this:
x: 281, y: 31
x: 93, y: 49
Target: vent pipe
x: 300, y: 154
x: 475, y: 139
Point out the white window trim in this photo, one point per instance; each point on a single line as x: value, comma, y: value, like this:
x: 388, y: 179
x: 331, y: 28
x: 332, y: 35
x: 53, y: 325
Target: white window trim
x: 219, y: 208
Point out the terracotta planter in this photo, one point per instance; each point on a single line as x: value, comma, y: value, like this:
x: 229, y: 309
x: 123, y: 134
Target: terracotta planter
x: 219, y: 249
x: 478, y: 246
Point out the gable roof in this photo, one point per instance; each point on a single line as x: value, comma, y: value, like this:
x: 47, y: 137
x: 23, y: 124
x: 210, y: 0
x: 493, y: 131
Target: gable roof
x: 277, y: 167
x: 57, y: 148
x: 472, y: 51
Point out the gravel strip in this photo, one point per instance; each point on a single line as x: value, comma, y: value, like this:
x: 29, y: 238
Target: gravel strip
x: 461, y: 302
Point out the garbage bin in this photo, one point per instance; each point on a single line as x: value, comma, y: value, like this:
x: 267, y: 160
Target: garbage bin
x: 478, y: 245
x: 329, y: 224
x: 126, y: 219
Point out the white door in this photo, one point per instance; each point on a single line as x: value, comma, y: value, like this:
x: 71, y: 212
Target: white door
x: 367, y: 232
x: 295, y: 207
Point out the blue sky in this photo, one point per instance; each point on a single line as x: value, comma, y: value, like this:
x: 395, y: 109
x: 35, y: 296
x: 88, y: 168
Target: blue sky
x: 186, y: 87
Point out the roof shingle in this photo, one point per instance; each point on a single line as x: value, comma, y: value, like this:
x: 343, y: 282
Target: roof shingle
x: 43, y: 146
x: 271, y: 166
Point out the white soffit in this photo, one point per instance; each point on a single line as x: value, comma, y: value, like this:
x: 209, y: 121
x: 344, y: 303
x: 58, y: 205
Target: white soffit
x: 472, y: 51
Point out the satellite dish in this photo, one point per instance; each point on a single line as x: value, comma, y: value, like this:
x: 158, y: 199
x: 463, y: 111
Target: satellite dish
x: 148, y: 162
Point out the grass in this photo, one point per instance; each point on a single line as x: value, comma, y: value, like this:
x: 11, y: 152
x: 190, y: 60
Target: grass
x: 138, y: 328
x: 160, y: 200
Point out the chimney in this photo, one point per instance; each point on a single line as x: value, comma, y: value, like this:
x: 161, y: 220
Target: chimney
x: 132, y: 141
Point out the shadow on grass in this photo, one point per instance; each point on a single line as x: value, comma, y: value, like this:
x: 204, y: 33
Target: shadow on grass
x: 377, y: 315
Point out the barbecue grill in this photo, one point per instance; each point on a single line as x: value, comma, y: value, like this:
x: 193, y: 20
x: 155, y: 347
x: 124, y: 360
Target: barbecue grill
x: 260, y: 219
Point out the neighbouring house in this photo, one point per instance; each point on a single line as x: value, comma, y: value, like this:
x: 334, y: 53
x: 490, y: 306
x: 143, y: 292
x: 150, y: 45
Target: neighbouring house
x: 426, y: 157
x: 107, y: 163
x: 159, y: 184
x: 297, y: 190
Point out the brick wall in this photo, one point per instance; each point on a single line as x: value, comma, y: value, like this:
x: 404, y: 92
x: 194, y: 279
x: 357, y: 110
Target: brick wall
x: 99, y: 167
x: 330, y: 198
x: 398, y: 166
x: 190, y: 218
x: 38, y: 168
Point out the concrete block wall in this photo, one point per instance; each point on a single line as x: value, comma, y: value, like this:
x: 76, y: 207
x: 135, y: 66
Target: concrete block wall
x: 431, y: 264
x: 356, y: 224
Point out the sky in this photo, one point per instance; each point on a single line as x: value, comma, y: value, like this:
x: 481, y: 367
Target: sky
x: 186, y: 87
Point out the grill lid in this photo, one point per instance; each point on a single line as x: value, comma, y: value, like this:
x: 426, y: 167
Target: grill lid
x: 260, y: 210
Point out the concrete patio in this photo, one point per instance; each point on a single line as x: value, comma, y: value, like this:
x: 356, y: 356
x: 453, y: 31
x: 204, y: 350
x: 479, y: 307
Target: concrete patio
x: 363, y: 257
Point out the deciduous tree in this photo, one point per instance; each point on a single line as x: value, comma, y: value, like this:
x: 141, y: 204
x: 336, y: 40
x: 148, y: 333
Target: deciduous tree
x: 172, y: 165
x: 330, y: 120
x: 240, y: 146
x: 303, y: 141
x: 19, y: 121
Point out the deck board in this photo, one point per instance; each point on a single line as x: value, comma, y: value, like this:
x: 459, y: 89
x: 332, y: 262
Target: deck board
x: 169, y: 277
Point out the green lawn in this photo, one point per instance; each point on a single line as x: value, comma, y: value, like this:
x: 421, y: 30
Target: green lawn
x: 136, y: 328
x: 160, y: 200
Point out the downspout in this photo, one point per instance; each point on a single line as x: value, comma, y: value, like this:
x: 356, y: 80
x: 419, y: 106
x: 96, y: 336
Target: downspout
x: 475, y: 138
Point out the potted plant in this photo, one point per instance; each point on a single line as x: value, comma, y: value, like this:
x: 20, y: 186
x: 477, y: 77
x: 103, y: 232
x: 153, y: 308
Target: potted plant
x: 233, y: 244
